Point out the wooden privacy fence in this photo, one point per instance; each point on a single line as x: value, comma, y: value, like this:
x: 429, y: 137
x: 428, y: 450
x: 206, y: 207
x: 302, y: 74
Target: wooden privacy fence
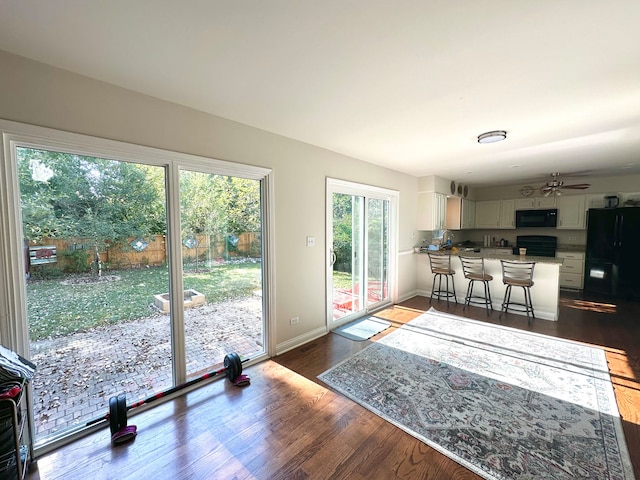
x: 63, y: 252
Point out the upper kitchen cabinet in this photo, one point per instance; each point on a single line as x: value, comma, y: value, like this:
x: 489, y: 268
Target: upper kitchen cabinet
x: 432, y: 211
x: 495, y: 214
x: 461, y: 213
x: 468, y: 214
x: 572, y: 211
x: 533, y: 203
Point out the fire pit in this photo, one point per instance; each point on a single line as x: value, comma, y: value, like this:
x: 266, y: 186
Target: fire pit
x: 191, y: 299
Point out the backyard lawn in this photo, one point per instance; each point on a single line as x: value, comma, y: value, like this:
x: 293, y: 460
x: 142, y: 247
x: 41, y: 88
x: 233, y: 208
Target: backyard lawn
x: 56, y: 308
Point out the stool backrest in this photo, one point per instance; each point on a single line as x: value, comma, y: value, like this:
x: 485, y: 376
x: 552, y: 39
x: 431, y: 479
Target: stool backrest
x: 517, y: 272
x: 439, y: 262
x: 472, y: 266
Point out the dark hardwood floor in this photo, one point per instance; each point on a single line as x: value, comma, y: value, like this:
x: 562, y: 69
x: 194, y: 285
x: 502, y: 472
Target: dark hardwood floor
x: 287, y: 425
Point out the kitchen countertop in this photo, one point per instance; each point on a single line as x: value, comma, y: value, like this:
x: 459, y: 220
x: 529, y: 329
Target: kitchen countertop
x: 494, y: 256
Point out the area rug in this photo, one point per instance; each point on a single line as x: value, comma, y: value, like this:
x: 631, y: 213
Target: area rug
x: 363, y: 329
x: 505, y: 403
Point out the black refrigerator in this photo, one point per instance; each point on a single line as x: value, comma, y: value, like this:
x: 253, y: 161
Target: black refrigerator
x: 612, y: 264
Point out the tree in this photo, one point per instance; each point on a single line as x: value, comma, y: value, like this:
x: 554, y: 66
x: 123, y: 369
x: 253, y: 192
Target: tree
x: 105, y: 201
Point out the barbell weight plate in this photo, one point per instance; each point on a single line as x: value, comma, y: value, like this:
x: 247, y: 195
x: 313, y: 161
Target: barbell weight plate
x: 232, y: 365
x: 113, y: 415
x: 122, y: 411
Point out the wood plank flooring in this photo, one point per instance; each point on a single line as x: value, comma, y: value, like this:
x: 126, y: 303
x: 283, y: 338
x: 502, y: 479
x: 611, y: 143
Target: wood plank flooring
x: 287, y: 425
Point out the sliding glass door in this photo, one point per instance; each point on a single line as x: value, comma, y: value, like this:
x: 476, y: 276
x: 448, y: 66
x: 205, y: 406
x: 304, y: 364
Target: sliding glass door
x: 135, y: 270
x: 359, y: 220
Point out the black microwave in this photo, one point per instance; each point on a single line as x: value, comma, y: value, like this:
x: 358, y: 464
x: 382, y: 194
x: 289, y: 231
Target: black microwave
x: 536, y: 218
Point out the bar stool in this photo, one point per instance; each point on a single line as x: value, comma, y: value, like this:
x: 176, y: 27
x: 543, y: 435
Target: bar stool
x: 473, y: 270
x: 441, y: 265
x: 518, y: 274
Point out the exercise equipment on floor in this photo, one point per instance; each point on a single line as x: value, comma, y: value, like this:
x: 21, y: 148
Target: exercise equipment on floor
x: 117, y: 416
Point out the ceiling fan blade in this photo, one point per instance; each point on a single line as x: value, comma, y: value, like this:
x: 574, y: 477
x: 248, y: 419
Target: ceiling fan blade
x: 578, y: 186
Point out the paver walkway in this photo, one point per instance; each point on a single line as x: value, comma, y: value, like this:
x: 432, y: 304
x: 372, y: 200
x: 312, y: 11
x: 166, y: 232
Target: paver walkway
x: 78, y: 373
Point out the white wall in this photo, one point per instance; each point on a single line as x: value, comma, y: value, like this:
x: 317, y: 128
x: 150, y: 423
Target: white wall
x: 38, y: 94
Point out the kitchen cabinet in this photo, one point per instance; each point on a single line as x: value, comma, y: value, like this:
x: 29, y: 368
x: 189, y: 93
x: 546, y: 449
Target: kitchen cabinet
x: 461, y: 213
x: 14, y: 451
x: 572, y: 212
x: 571, y: 270
x: 533, y: 203
x: 468, y: 214
x: 488, y: 214
x: 507, y: 214
x: 432, y: 211
x: 495, y: 214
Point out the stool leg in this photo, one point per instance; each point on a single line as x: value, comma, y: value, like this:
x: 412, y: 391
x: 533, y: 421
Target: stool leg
x: 447, y: 294
x: 467, y: 299
x: 433, y: 288
x: 505, y: 302
x: 487, y: 296
x: 453, y: 285
x: 531, y: 302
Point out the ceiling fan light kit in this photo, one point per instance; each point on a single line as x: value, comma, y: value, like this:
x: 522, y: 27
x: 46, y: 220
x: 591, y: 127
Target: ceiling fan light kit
x: 554, y: 186
x: 492, y: 137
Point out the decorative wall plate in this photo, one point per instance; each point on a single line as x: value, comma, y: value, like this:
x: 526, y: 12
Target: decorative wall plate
x: 465, y: 191
x: 453, y: 187
x: 526, y: 191
x: 459, y: 189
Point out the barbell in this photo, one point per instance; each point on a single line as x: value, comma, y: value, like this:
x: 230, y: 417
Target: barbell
x: 118, y: 408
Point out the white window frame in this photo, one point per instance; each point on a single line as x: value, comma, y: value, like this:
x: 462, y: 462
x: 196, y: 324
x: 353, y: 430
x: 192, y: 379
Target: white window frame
x: 13, y: 310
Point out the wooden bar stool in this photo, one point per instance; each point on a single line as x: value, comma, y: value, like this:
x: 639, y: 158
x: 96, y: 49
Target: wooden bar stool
x: 518, y: 274
x: 441, y: 265
x: 473, y: 270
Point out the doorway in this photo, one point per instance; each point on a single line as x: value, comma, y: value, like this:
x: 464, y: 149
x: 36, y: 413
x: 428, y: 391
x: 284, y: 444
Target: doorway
x: 361, y: 236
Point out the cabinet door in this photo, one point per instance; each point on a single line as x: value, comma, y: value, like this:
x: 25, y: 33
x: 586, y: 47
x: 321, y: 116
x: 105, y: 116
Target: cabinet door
x: 508, y: 214
x: 572, y: 212
x: 440, y: 213
x: 432, y: 211
x: 488, y: 214
x: 525, y: 203
x: 545, y: 202
x: 468, y: 213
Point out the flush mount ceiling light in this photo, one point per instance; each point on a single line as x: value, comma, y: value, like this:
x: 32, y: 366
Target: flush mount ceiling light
x: 492, y: 137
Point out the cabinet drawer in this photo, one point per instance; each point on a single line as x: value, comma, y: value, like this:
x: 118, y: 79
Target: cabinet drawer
x: 571, y: 280
x: 573, y: 255
x: 571, y: 265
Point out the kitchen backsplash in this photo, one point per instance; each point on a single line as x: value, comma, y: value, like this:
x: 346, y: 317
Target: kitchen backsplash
x: 565, y: 237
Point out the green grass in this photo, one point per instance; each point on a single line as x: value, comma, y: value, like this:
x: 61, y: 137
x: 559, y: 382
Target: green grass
x: 55, y: 309
x: 342, y: 280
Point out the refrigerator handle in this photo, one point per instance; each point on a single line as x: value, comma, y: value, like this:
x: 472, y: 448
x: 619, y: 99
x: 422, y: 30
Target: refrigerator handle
x: 619, y: 233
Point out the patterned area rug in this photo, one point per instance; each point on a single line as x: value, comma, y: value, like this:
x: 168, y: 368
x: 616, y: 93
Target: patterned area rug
x: 363, y: 328
x: 505, y: 403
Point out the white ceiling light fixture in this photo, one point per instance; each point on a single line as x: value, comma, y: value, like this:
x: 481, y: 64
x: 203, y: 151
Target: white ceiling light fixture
x: 492, y: 137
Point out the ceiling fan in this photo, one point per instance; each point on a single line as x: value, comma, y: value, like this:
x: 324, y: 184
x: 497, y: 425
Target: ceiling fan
x: 554, y: 186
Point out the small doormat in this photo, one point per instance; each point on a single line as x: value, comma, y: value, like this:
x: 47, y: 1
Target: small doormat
x: 363, y: 328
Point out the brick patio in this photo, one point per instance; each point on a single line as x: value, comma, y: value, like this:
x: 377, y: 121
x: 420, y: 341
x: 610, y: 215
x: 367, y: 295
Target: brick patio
x: 78, y: 373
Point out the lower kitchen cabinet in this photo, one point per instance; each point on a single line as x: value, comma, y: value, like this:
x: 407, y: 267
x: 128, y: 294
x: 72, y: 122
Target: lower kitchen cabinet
x: 571, y: 270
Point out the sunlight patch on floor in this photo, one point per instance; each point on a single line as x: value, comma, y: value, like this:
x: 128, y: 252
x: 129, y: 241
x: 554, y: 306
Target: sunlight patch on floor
x: 589, y: 306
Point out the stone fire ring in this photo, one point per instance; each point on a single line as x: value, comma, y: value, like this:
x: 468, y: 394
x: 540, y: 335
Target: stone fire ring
x: 191, y: 299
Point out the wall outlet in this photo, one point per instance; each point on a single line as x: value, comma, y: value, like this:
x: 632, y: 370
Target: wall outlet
x: 311, y: 241
x: 294, y: 320
x: 572, y: 238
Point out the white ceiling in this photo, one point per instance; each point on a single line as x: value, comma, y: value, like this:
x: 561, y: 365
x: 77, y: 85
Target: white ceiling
x: 404, y: 84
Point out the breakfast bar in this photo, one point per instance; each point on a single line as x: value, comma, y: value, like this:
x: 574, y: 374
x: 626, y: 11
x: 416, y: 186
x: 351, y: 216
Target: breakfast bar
x: 546, y: 276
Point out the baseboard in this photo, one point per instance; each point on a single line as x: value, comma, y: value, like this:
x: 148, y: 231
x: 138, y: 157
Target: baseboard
x: 300, y: 340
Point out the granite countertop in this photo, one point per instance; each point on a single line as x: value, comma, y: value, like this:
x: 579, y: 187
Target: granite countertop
x: 492, y: 256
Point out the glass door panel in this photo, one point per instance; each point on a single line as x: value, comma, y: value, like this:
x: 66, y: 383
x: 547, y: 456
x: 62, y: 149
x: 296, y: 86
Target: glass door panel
x: 96, y: 265
x: 222, y: 269
x: 347, y: 255
x: 377, y: 251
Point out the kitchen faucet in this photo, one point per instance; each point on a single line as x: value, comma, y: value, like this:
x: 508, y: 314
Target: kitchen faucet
x: 447, y: 236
